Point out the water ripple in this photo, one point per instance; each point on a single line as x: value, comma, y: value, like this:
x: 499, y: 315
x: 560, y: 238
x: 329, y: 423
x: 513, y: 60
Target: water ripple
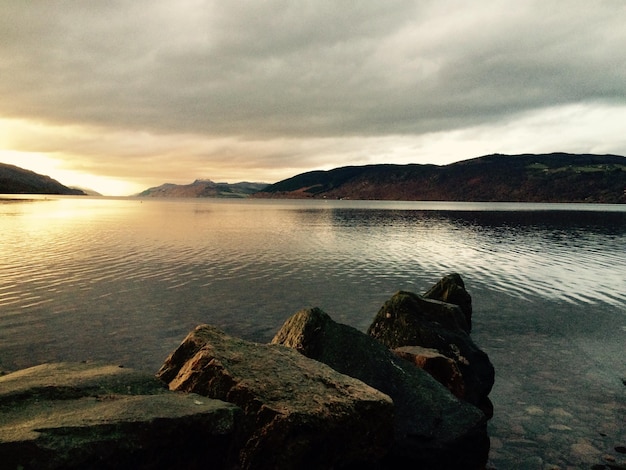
x: 107, y: 270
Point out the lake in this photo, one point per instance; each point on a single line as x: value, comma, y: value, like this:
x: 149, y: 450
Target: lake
x: 124, y: 280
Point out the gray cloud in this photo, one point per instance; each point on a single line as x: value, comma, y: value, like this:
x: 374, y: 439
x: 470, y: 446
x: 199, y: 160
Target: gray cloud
x: 306, y: 68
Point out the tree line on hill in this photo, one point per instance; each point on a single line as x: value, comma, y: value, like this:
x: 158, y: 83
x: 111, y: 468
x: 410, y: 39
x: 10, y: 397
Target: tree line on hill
x: 557, y: 177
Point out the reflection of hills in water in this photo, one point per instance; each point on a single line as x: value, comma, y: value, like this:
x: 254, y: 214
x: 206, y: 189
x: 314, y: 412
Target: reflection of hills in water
x: 609, y: 223
x: 564, y: 254
x: 597, y: 221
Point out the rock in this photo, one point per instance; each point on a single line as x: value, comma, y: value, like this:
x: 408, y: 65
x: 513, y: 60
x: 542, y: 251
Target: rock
x: 530, y: 463
x: 451, y: 289
x: 534, y: 410
x: 559, y: 427
x: 95, y: 416
x: 443, y: 369
x: 432, y: 428
x: 584, y: 449
x: 299, y: 413
x: 408, y: 319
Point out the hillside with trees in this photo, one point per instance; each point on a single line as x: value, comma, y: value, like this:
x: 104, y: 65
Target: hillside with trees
x: 556, y: 177
x: 204, y: 188
x: 16, y: 180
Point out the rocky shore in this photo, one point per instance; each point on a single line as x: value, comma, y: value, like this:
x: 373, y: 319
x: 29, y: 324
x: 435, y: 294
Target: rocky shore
x: 411, y: 392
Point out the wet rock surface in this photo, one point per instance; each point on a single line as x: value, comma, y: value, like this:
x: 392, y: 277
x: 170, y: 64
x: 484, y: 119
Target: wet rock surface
x: 408, y: 319
x: 432, y: 428
x: 299, y: 413
x: 76, y: 416
x: 441, y: 368
x: 451, y: 289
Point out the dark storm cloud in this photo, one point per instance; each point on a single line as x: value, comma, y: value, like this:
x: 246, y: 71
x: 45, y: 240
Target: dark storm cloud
x: 302, y: 69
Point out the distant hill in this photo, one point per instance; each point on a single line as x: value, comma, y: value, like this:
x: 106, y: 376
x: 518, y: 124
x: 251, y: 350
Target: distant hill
x: 204, y: 188
x: 87, y: 191
x: 16, y: 180
x: 555, y: 177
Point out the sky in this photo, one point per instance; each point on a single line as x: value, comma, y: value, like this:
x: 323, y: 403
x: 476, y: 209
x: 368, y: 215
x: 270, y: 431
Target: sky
x: 118, y: 96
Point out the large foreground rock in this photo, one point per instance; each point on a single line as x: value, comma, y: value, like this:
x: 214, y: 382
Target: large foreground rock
x: 432, y: 428
x: 93, y: 416
x: 408, y: 319
x: 299, y: 412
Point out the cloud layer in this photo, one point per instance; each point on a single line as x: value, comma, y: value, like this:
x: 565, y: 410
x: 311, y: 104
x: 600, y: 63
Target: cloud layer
x: 265, y: 89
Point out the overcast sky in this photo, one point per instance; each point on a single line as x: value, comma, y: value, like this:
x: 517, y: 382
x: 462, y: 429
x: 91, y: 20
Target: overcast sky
x: 120, y: 95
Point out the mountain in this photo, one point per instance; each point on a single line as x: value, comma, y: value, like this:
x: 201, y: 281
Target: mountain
x: 204, y: 188
x: 555, y: 177
x: 87, y: 191
x: 16, y: 180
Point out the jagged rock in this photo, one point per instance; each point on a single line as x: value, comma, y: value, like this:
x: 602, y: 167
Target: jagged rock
x: 299, y: 413
x: 432, y: 429
x: 76, y: 416
x: 443, y: 369
x: 408, y: 319
x: 451, y: 289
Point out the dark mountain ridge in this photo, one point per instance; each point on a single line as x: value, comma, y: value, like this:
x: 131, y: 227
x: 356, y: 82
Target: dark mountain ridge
x: 204, y: 188
x: 16, y: 180
x: 555, y: 177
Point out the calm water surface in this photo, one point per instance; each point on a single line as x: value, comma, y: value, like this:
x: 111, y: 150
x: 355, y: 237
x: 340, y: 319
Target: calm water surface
x: 124, y: 280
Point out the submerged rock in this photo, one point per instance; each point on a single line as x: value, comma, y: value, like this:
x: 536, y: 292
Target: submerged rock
x: 408, y: 319
x: 432, y: 429
x: 299, y: 413
x: 76, y: 416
